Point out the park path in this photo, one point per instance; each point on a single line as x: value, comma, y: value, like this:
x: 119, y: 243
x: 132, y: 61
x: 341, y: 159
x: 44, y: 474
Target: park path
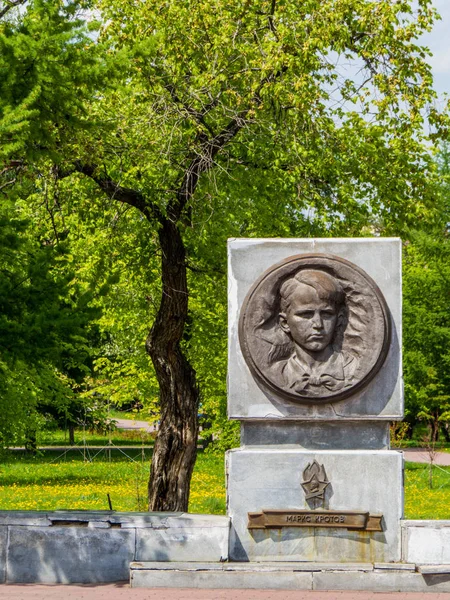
x: 131, y: 424
x: 124, y: 592
x: 419, y: 455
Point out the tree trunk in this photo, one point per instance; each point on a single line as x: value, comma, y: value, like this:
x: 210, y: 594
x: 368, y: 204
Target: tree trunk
x: 175, y: 448
x: 445, y: 431
x: 31, y: 442
x: 71, y: 434
x: 434, y: 430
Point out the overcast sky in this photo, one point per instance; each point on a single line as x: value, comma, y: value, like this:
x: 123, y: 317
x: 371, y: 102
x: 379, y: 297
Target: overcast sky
x: 438, y: 41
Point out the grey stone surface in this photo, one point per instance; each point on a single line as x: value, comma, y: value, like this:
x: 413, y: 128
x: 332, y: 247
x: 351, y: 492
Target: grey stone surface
x: 169, y: 520
x: 106, y: 518
x: 345, y: 435
x: 182, y: 544
x: 297, y: 566
x: 200, y: 521
x: 383, y: 396
x: 97, y: 546
x: 255, y: 566
x: 389, y: 581
x: 426, y: 542
x: 221, y: 579
x: 68, y: 554
x: 394, y: 567
x: 271, y: 479
x: 79, y: 515
x: 434, y: 569
x: 306, y: 576
x: 3, y: 545
x: 24, y: 517
x: 176, y: 566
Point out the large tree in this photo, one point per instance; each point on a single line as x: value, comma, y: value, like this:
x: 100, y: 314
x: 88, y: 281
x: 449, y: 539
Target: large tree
x: 427, y: 334
x: 426, y: 308
x: 240, y: 118
x: 47, y: 329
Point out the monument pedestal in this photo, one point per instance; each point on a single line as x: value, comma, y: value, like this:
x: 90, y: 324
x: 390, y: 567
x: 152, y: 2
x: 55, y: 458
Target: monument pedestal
x: 315, y: 377
x: 363, y: 481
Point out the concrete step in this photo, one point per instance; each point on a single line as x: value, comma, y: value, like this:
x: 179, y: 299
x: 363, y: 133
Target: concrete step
x: 378, y: 577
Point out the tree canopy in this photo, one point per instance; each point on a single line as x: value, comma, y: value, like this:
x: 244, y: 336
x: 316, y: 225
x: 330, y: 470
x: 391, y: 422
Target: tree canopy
x: 427, y: 317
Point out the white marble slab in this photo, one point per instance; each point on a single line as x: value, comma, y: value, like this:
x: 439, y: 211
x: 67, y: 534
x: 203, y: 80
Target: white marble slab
x: 271, y: 479
x: 380, y: 258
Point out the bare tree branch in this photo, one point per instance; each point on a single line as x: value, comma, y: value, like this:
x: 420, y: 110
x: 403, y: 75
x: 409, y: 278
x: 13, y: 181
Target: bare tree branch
x: 8, y: 5
x: 271, y: 20
x: 115, y: 191
x: 199, y: 116
x: 203, y: 162
x: 204, y: 159
x: 12, y: 182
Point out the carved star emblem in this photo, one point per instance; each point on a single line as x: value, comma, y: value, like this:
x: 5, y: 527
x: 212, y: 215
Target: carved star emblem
x: 315, y: 481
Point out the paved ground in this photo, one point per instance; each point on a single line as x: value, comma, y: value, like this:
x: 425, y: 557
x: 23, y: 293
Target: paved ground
x: 412, y: 454
x: 422, y: 456
x: 123, y: 592
x: 132, y: 424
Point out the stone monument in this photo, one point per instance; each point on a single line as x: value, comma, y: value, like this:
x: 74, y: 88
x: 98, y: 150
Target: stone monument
x: 315, y: 495
x: 314, y: 378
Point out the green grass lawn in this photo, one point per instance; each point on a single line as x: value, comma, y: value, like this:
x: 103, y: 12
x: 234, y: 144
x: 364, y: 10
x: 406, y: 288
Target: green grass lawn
x: 119, y: 437
x: 420, y: 501
x: 81, y: 480
x: 73, y: 481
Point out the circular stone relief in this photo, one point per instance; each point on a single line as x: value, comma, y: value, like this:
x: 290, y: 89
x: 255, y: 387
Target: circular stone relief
x: 314, y: 328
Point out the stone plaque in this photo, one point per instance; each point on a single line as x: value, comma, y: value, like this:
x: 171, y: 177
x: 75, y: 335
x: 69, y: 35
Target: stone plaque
x: 314, y: 328
x: 349, y: 519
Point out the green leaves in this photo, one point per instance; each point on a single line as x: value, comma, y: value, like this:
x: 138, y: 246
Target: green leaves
x: 47, y: 62
x: 265, y: 118
x: 427, y: 315
x: 191, y: 67
x: 45, y: 327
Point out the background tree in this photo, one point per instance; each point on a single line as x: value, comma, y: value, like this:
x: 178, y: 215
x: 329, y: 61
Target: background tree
x: 45, y: 338
x: 215, y: 119
x: 46, y: 320
x: 427, y: 339
x: 427, y: 316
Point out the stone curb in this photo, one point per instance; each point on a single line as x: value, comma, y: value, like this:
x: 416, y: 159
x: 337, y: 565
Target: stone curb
x: 385, y: 577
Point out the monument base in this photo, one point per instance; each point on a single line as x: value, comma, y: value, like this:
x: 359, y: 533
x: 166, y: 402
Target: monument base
x: 266, y: 481
x: 376, y: 577
x: 33, y: 549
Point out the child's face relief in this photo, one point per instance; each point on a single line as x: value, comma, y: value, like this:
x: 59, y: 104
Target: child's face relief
x: 309, y: 320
